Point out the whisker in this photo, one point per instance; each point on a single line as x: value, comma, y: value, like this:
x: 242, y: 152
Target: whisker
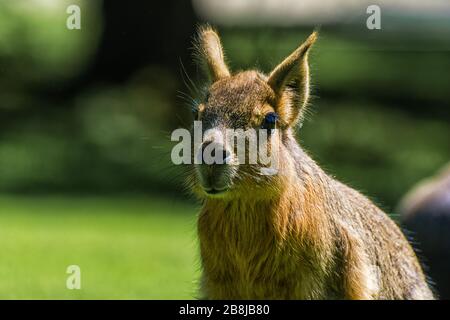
x: 193, y: 86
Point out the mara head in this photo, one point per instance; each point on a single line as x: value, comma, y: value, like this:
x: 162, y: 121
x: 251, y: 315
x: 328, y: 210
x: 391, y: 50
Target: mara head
x: 245, y: 120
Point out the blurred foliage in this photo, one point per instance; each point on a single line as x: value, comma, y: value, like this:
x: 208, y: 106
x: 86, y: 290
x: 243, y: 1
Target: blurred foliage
x: 37, y: 51
x: 379, y: 150
x: 379, y: 118
x: 112, y: 139
x: 350, y: 64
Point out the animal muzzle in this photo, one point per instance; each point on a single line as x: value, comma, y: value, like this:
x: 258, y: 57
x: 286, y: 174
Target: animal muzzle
x: 214, y: 171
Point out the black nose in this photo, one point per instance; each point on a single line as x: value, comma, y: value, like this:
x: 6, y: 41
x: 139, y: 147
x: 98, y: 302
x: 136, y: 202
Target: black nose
x: 216, y: 153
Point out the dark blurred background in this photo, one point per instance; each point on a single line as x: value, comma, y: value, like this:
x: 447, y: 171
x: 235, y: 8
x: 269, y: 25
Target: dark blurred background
x: 90, y: 111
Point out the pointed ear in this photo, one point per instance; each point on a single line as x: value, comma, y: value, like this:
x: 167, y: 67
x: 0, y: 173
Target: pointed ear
x: 290, y: 82
x: 209, y: 52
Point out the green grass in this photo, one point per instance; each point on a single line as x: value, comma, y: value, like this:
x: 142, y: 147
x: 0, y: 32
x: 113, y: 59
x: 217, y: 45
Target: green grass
x: 127, y: 248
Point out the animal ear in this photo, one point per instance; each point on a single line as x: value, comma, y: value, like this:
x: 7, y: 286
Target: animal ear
x: 210, y: 53
x: 290, y: 82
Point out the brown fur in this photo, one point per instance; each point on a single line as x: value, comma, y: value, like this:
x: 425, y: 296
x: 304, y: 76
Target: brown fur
x: 298, y: 234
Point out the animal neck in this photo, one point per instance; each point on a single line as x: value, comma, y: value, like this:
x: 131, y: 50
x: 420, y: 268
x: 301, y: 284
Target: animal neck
x: 252, y: 218
x: 298, y: 203
x: 247, y: 233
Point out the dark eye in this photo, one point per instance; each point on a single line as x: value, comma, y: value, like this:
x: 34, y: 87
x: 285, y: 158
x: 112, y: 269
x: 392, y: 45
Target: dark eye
x: 269, y: 121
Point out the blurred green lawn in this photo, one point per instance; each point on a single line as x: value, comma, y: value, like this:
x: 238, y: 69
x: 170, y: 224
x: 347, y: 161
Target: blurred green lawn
x: 127, y: 248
